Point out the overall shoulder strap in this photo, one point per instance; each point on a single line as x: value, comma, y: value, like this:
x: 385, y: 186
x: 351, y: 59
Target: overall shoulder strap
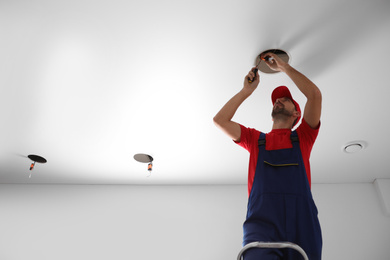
x: 294, y: 137
x: 261, y: 140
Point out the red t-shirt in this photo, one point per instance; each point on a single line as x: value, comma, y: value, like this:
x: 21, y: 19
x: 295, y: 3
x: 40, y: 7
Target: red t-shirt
x: 277, y: 139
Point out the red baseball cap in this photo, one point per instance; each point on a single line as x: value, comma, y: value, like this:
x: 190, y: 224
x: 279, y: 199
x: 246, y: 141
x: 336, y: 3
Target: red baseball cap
x: 283, y: 91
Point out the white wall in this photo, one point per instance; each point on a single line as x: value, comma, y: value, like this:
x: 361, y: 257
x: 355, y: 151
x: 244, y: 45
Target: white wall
x: 120, y: 222
x: 353, y: 222
x: 383, y: 188
x: 40, y: 222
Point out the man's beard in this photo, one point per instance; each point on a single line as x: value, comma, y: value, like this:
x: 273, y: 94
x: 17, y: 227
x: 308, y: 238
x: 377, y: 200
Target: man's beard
x: 281, y: 113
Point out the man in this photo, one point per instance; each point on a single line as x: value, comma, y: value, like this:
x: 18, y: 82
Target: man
x: 280, y: 204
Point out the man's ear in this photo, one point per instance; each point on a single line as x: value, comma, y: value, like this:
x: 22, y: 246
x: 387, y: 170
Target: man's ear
x: 297, y: 113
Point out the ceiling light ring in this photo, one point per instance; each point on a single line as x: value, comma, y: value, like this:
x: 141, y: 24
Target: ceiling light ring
x: 354, y: 146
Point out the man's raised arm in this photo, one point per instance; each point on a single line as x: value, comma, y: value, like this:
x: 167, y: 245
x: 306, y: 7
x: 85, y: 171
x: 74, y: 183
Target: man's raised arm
x: 312, y: 112
x: 223, y: 119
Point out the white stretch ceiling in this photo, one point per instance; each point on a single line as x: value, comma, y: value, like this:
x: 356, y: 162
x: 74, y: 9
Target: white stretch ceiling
x: 88, y: 84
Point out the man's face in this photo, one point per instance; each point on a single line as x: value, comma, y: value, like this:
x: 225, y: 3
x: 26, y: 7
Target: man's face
x: 283, y: 107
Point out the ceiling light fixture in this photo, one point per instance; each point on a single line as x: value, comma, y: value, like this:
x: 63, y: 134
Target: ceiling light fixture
x: 354, y: 147
x: 35, y: 158
x: 263, y: 67
x: 145, y: 158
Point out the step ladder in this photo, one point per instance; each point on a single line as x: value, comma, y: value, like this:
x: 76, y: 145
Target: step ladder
x: 272, y: 245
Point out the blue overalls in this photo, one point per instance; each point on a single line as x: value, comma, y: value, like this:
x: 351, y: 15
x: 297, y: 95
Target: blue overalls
x: 280, y: 205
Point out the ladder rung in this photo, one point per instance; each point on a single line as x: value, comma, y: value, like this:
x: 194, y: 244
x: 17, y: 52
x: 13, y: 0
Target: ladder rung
x: 272, y: 245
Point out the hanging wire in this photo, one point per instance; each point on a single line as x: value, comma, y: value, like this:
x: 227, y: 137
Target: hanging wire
x: 31, y: 168
x: 150, y: 168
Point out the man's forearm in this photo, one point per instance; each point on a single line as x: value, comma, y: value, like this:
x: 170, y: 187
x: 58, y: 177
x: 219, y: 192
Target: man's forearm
x: 229, y: 109
x: 305, y: 85
x: 223, y: 119
x: 312, y: 111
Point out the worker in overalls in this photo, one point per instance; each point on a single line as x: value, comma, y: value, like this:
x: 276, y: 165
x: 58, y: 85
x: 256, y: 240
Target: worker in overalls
x: 280, y: 204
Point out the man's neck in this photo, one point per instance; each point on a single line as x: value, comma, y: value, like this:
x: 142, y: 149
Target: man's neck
x: 281, y: 124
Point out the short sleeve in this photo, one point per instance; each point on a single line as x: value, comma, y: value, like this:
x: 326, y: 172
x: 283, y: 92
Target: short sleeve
x: 248, y: 139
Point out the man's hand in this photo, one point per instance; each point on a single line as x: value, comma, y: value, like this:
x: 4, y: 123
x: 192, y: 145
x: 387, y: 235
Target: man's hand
x: 251, y: 81
x: 274, y: 62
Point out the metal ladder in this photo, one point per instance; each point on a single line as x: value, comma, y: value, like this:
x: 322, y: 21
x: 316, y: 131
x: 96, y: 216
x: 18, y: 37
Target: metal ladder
x: 272, y: 245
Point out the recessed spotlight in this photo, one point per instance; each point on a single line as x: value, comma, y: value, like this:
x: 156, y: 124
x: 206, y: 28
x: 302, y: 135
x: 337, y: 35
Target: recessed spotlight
x: 35, y: 159
x: 354, y: 147
x: 263, y: 67
x: 145, y: 158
